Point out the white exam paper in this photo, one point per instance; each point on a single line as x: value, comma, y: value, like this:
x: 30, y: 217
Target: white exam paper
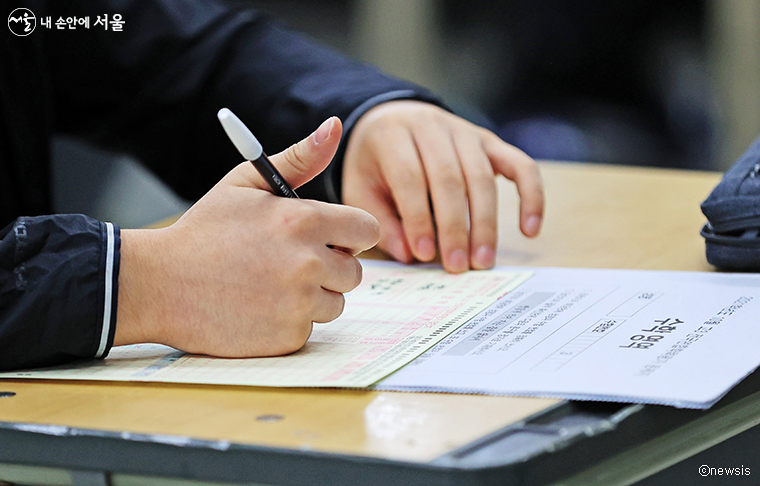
x: 672, y: 338
x: 396, y: 313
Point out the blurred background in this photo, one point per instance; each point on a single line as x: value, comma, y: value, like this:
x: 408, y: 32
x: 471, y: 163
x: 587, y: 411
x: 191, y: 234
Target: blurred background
x: 669, y: 83
x: 664, y: 83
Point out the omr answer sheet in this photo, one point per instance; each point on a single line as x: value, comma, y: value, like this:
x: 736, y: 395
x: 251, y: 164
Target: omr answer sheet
x: 395, y: 314
x: 672, y: 338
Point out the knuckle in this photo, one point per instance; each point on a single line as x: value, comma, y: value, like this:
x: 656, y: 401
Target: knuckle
x: 338, y: 306
x: 454, y: 237
x: 452, y: 226
x: 302, y: 334
x: 309, y: 214
x: 431, y: 116
x: 485, y: 222
x: 488, y: 136
x: 482, y: 173
x: 485, y: 231
x: 297, y: 337
x: 306, y: 267
x: 526, y: 170
x: 524, y: 163
x: 450, y: 180
x: 357, y: 274
x: 539, y: 191
x: 305, y: 218
x: 407, y: 173
x: 382, y: 130
x: 482, y: 190
x: 310, y: 264
x: 418, y: 222
x: 368, y: 227
x: 531, y: 187
x: 295, y: 156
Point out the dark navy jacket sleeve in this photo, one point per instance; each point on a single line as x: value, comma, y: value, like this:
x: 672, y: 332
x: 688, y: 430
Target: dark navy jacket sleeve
x: 58, y: 290
x: 155, y: 87
x: 152, y: 89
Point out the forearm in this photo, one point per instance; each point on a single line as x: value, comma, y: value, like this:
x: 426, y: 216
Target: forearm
x: 141, y: 279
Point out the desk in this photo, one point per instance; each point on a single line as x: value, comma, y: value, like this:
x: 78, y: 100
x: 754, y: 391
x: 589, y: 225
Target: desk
x: 597, y: 216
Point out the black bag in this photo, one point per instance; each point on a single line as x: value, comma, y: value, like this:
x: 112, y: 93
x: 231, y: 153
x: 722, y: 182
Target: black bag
x: 732, y: 232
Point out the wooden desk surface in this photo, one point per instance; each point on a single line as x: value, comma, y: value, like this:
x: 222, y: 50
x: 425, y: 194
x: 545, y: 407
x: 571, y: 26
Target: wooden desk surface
x: 597, y: 216
x: 600, y: 216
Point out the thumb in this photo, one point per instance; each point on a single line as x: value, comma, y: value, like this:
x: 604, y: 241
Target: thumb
x: 303, y: 161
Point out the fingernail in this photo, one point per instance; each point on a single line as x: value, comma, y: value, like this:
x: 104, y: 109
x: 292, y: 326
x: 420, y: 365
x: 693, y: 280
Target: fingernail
x: 485, y: 257
x: 458, y: 261
x: 532, y: 225
x: 323, y: 132
x: 426, y: 248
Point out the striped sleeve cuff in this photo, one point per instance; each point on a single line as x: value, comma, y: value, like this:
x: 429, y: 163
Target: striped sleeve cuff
x: 110, y: 287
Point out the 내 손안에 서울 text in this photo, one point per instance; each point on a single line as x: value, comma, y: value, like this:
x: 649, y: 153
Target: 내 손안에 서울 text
x: 22, y: 22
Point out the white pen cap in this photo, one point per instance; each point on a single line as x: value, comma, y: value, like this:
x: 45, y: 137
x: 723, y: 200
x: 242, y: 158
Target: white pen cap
x: 241, y: 137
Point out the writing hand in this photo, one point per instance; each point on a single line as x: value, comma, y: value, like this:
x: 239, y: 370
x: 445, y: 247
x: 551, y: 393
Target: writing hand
x: 404, y: 155
x: 243, y: 272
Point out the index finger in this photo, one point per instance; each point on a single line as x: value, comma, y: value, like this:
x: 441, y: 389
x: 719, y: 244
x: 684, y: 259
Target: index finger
x: 347, y: 228
x: 517, y: 166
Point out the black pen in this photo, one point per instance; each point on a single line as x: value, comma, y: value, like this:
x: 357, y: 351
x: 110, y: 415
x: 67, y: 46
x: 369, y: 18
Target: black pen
x: 251, y: 150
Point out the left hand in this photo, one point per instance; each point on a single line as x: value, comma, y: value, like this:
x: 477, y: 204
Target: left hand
x: 402, y: 156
